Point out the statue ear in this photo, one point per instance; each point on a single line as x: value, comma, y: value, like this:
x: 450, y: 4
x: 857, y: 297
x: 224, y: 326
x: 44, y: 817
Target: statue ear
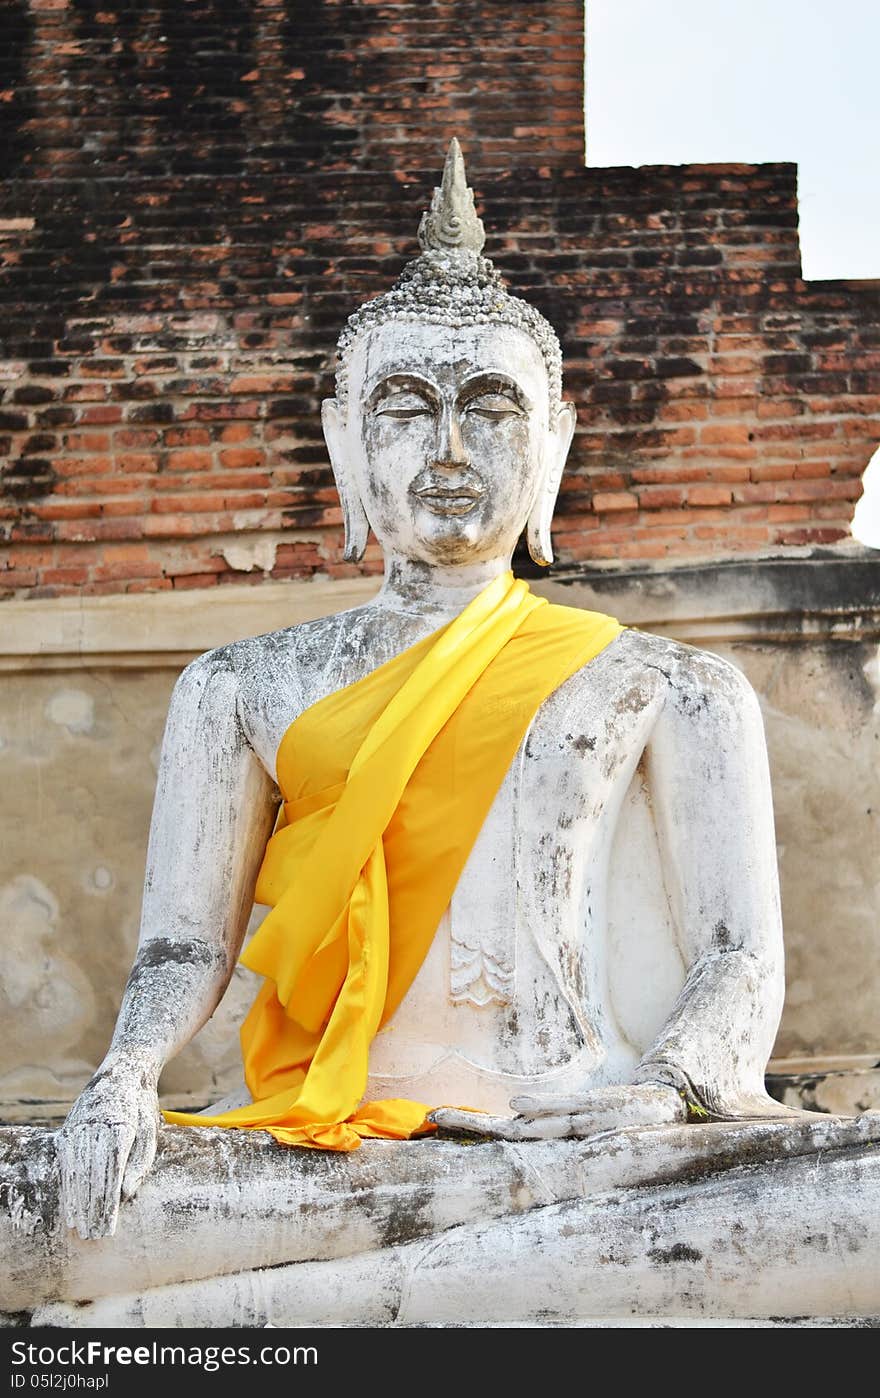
x: 357, y: 526
x: 540, y: 519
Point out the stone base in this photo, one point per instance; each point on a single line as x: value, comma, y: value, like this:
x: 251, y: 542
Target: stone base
x: 746, y: 1223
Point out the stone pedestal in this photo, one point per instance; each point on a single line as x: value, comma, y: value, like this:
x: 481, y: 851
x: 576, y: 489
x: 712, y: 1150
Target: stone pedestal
x: 725, y: 1223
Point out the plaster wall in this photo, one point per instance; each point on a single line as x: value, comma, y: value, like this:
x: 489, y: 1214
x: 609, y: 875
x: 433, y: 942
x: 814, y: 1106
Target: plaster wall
x: 82, y: 707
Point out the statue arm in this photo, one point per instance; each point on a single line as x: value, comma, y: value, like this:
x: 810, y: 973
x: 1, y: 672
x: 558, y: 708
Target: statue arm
x: 213, y: 813
x: 709, y: 784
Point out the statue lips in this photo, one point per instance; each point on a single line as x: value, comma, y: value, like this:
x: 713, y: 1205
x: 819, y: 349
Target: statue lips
x: 446, y: 498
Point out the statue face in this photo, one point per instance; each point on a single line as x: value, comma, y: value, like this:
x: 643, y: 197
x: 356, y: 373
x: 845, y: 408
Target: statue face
x: 447, y: 440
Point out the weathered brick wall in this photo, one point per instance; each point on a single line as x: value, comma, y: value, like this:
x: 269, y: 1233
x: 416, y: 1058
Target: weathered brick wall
x: 196, y: 194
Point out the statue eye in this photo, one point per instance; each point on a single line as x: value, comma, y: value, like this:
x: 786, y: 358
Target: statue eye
x: 403, y: 405
x: 493, y: 405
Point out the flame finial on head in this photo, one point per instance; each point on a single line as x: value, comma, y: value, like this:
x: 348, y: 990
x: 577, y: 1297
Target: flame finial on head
x: 451, y: 283
x: 451, y: 223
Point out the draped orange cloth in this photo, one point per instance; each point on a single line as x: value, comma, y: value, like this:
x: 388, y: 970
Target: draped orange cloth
x: 386, y: 784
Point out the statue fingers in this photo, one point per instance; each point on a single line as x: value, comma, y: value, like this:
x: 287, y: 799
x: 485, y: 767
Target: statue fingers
x: 141, y: 1156
x: 110, y: 1151
x: 73, y: 1153
x: 544, y: 1127
x: 637, y: 1110
x: 625, y: 1104
x: 455, y: 1122
x: 550, y: 1106
x: 583, y: 1124
x: 662, y: 1103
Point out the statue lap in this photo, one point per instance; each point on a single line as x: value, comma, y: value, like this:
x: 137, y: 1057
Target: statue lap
x: 705, y: 1220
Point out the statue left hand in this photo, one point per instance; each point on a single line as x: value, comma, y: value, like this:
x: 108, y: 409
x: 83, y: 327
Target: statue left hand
x: 554, y: 1118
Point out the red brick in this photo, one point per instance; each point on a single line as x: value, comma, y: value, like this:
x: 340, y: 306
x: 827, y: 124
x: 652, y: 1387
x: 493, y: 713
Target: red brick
x: 188, y: 504
x: 72, y: 576
x: 18, y: 577
x: 135, y: 437
x: 238, y: 457
x: 850, y: 488
x: 808, y: 469
x: 660, y: 496
x: 728, y: 434
x: 236, y: 432
x: 87, y: 441
x: 794, y: 537
x: 776, y: 408
x: 613, y: 500
x: 105, y: 414
x: 66, y: 509
x: 186, y: 437
x: 117, y: 509
x: 149, y: 585
x: 772, y: 471
x: 708, y: 495
x: 685, y: 410
x: 189, y: 461
x: 140, y: 462
x: 102, y: 572
x: 86, y: 392
x: 784, y: 514
x: 261, y: 383
x: 102, y: 369
x: 82, y: 465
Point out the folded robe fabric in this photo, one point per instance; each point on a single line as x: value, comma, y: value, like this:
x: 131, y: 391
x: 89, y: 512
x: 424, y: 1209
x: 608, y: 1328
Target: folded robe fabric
x: 386, y: 784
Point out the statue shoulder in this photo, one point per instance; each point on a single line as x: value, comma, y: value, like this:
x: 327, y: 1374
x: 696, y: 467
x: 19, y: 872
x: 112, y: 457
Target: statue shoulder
x: 252, y: 658
x: 207, y: 679
x: 696, y: 681
x: 258, y: 681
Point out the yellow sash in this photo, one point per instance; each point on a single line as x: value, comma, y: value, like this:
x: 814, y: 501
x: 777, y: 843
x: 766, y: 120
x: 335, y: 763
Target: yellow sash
x: 386, y: 784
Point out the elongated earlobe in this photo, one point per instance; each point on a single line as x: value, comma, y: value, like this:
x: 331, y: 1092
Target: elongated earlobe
x: 538, y: 525
x: 357, y: 526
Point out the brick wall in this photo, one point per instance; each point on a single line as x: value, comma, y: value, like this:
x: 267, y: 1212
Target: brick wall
x: 195, y: 196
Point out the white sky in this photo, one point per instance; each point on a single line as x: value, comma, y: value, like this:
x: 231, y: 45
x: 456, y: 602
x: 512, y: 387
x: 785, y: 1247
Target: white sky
x: 671, y: 82
x: 674, y: 81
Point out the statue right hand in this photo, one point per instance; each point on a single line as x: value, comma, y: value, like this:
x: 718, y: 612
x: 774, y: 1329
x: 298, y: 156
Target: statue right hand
x: 106, y: 1146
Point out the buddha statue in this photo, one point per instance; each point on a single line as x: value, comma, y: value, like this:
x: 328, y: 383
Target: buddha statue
x: 523, y: 967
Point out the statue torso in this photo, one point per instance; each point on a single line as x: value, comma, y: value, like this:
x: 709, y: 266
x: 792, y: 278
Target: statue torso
x: 518, y: 990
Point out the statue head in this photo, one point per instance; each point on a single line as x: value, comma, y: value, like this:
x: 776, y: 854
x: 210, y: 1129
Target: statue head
x: 448, y: 434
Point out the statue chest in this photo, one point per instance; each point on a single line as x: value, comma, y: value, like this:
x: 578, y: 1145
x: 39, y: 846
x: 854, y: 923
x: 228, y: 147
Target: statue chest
x: 542, y: 852
x: 513, y: 985
x: 518, y: 986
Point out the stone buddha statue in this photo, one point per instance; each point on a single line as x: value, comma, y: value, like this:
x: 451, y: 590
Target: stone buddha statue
x: 585, y: 1025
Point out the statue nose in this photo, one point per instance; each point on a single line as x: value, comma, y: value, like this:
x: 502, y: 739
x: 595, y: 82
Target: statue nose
x: 450, y: 447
